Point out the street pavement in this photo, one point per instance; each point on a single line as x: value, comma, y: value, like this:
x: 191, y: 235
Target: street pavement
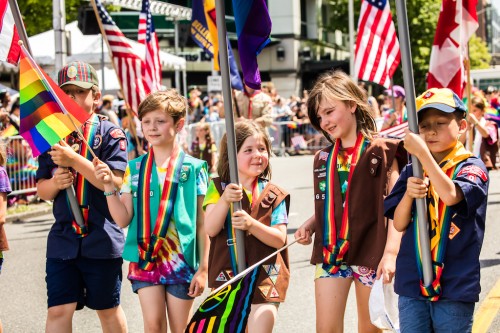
x: 22, y: 283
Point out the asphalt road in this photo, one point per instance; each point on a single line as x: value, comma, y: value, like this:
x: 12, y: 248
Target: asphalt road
x: 22, y: 283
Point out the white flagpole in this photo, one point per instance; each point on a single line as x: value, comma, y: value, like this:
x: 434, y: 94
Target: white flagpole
x: 351, y: 41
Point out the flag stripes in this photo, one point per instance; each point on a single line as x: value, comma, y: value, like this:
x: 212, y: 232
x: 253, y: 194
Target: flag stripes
x: 9, y: 37
x: 147, y: 36
x: 377, y: 48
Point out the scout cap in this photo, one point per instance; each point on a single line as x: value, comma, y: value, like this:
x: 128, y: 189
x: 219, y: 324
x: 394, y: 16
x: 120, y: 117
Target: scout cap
x: 442, y: 99
x: 78, y: 73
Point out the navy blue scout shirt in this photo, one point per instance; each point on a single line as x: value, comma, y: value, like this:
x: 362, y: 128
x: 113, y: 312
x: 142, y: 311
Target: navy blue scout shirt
x: 105, y: 239
x: 461, y: 272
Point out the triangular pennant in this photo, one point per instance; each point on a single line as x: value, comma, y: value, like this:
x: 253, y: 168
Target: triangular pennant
x: 274, y: 293
x: 275, y: 269
x: 264, y: 290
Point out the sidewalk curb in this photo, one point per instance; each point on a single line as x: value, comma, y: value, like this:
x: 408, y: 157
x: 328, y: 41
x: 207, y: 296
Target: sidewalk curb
x: 19, y: 217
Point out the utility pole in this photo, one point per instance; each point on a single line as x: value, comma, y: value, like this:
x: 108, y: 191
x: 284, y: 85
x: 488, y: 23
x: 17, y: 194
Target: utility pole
x: 59, y: 25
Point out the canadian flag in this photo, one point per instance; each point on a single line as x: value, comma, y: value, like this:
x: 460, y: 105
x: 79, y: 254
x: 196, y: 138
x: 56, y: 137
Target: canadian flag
x: 456, y: 24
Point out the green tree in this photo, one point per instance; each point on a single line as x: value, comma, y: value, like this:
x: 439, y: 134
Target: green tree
x: 37, y: 14
x: 478, y: 53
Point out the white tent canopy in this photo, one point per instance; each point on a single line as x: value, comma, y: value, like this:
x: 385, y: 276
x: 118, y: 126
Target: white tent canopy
x: 88, y: 48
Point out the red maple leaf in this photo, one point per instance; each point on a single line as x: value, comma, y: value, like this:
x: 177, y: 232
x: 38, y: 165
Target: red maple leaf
x: 446, y: 23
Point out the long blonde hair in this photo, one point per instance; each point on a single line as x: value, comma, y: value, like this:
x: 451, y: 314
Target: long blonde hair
x: 338, y: 85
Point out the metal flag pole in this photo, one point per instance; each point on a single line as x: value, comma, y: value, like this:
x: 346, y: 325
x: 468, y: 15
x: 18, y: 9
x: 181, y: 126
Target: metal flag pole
x: 70, y: 191
x: 220, y: 11
x: 404, y: 44
x: 352, y: 70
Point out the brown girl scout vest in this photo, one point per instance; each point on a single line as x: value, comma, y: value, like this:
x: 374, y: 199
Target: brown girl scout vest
x: 205, y: 154
x: 368, y: 188
x: 274, y: 274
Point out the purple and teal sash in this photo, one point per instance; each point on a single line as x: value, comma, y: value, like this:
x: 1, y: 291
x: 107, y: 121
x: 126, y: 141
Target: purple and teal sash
x: 335, y: 245
x: 149, y: 244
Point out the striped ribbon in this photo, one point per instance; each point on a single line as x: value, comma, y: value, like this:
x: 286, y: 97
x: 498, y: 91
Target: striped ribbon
x: 149, y: 244
x: 335, y: 246
x: 440, y: 221
x: 82, y: 185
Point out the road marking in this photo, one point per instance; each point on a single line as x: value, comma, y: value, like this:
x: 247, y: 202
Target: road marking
x: 487, y: 311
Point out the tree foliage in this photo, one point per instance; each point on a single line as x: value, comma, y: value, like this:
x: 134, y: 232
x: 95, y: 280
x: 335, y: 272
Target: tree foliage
x: 37, y: 14
x: 478, y: 53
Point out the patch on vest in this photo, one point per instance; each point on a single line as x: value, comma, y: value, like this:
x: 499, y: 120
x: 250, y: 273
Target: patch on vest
x: 323, y: 155
x: 230, y: 274
x: 268, y: 200
x: 454, y: 230
x: 264, y: 290
x: 274, y: 293
x: 471, y: 172
x: 184, y: 173
x: 221, y: 277
x: 97, y: 141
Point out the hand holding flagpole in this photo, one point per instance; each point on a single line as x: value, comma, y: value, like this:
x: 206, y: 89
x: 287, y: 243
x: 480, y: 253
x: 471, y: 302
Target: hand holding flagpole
x: 404, y: 42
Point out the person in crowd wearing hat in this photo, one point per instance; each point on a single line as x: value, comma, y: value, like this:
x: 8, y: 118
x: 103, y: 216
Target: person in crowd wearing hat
x: 397, y: 114
x: 106, y: 109
x: 84, y: 262
x: 455, y: 186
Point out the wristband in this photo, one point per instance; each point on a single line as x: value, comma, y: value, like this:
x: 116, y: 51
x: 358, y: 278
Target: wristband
x: 108, y: 194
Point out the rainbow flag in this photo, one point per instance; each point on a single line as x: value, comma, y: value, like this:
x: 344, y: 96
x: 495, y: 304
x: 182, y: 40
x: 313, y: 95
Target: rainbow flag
x: 45, y: 108
x: 228, y: 309
x: 492, y: 114
x: 11, y: 130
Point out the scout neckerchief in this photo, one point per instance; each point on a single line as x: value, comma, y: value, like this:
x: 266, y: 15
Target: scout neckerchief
x: 440, y: 220
x: 231, y: 233
x: 82, y: 185
x: 150, y: 243
x: 335, y: 246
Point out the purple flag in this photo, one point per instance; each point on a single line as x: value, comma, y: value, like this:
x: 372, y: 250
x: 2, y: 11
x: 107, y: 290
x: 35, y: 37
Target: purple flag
x: 253, y: 27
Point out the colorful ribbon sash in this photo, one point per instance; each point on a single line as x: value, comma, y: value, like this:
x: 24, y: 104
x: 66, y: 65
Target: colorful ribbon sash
x: 335, y: 246
x: 440, y: 221
x: 82, y: 185
x: 149, y: 244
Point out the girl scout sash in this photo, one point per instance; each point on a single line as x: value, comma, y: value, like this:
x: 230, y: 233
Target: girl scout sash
x: 149, y: 244
x: 335, y: 246
x: 82, y: 185
x: 440, y: 221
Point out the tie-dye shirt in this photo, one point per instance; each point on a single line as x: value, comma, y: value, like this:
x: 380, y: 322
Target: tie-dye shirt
x: 278, y: 216
x: 343, y: 166
x: 172, y: 268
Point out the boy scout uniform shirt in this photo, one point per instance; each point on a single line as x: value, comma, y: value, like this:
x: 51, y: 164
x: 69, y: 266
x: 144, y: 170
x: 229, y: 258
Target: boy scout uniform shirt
x: 367, y: 189
x: 461, y: 272
x: 105, y: 239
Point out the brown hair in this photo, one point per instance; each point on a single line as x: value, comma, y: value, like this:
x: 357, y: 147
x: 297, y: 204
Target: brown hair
x: 169, y: 101
x: 3, y: 153
x: 338, y: 85
x: 242, y: 129
x: 208, y: 133
x: 478, y: 102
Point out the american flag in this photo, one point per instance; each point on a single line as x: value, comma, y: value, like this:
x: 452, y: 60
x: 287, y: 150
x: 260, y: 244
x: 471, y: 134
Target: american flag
x: 128, y: 64
x: 10, y: 50
x: 147, y: 36
x: 395, y: 132
x: 377, y: 48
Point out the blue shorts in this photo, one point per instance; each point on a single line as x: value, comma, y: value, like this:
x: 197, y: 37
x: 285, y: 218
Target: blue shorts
x: 94, y: 283
x: 179, y: 290
x: 417, y: 315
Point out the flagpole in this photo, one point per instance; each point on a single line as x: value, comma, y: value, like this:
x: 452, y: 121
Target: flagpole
x: 404, y: 43
x: 469, y: 100
x: 104, y: 37
x: 351, y: 41
x: 249, y: 269
x: 220, y: 11
x: 19, y: 24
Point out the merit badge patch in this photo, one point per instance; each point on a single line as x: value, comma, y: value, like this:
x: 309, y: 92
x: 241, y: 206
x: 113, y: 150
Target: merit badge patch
x: 184, y: 173
x: 322, y: 186
x: 274, y: 293
x: 221, y: 277
x: 72, y: 71
x: 264, y: 290
x: 323, y: 155
x: 123, y: 145
x: 230, y: 274
x: 97, y: 141
x: 117, y: 133
x: 454, y: 230
x: 473, y: 171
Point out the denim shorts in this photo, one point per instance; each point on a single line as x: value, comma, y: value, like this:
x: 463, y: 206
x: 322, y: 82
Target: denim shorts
x: 94, y: 283
x: 179, y: 290
x: 416, y: 315
x: 365, y: 275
